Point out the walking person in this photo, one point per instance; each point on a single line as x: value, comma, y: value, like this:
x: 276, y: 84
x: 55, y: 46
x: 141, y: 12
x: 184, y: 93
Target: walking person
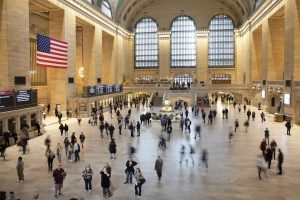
x: 105, y: 180
x: 66, y: 128
x: 59, y: 175
x: 129, y: 170
x: 61, y: 129
x: 236, y: 125
x: 50, y: 157
x: 262, y: 116
x: 267, y: 135
x: 273, y: 148
x: 182, y: 154
x: 268, y: 157
x: 288, y: 126
x: 197, y: 131
x: 76, y: 151
x: 169, y: 132
x: 280, y: 161
x: 67, y: 144
x: 58, y: 152
x: 158, y: 167
x: 120, y: 128
x: 261, y: 166
x: 111, y: 131
x: 20, y: 169
x: 38, y: 128
x: 112, y: 149
x: 139, y: 181
x: 101, y: 128
x: 87, y: 175
x: 263, y: 146
x: 138, y: 128
x: 204, y: 158
x: 82, y: 139
x: 253, y: 115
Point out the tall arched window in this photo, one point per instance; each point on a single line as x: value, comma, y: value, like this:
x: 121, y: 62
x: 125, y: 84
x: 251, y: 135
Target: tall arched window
x: 146, y: 43
x: 221, y: 42
x: 183, y: 42
x: 257, y: 3
x: 105, y: 8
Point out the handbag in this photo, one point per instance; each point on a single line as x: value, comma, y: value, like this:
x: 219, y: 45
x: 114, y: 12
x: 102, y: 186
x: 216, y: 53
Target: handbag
x: 142, y: 181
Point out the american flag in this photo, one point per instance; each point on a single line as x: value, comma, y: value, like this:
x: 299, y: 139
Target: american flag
x: 51, y: 52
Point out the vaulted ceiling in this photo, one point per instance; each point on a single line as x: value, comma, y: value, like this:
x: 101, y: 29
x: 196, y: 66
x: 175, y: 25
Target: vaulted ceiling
x: 130, y: 11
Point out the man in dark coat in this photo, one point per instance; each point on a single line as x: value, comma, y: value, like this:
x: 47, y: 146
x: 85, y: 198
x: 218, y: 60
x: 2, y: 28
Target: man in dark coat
x: 111, y: 131
x: 38, y: 128
x: 158, y: 167
x: 280, y: 161
x: 112, y: 149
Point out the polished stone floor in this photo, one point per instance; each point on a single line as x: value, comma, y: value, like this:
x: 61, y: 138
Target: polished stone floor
x: 232, y: 172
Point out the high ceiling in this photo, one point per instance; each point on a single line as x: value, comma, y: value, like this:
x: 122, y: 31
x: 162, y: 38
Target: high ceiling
x: 129, y: 11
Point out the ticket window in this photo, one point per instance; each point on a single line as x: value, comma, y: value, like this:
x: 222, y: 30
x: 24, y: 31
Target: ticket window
x: 33, y: 119
x: 11, y: 124
x: 23, y: 121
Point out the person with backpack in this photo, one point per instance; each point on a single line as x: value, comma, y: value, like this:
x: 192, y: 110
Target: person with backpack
x: 288, y: 126
x: 87, y: 175
x: 112, y: 149
x: 139, y: 181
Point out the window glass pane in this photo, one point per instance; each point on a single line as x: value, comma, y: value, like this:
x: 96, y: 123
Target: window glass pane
x: 183, y: 42
x: 221, y: 42
x: 146, y: 43
x: 105, y: 8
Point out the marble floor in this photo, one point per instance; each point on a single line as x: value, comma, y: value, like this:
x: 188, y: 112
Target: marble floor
x: 232, y: 172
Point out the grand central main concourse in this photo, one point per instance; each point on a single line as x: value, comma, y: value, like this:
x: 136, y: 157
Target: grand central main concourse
x: 212, y: 86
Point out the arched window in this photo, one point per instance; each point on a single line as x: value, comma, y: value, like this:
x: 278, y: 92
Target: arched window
x: 146, y: 43
x: 183, y: 42
x: 221, y: 42
x: 257, y: 3
x: 105, y: 8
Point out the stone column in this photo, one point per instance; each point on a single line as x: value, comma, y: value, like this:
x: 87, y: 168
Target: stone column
x: 62, y: 26
x: 14, y: 40
x: 164, y: 55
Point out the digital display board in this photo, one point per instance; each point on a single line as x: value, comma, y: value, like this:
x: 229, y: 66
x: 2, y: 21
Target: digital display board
x: 118, y: 88
x: 6, y: 99
x: 23, y: 97
x: 100, y: 89
x: 91, y: 90
x: 109, y: 89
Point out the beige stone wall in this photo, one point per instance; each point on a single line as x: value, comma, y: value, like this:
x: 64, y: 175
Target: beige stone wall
x: 14, y: 48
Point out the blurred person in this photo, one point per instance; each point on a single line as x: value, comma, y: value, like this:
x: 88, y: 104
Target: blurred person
x: 82, y: 139
x: 261, y: 166
x: 158, y: 167
x: 273, y: 148
x: 280, y: 161
x: 50, y: 157
x: 58, y: 152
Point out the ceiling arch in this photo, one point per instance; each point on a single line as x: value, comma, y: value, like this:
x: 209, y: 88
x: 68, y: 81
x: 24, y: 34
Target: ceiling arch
x: 130, y: 11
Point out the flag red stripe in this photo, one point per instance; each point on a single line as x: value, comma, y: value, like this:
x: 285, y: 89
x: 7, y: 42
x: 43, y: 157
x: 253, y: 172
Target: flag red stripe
x: 59, y: 54
x: 50, y: 61
x: 50, y: 66
x: 54, y: 44
x: 52, y: 57
x: 58, y: 41
x: 53, y: 48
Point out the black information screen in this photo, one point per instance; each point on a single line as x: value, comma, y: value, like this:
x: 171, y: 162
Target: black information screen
x: 100, y: 89
x: 6, y: 99
x: 23, y: 97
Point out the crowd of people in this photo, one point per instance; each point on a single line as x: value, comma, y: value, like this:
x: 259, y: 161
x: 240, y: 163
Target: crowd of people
x: 72, y: 146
